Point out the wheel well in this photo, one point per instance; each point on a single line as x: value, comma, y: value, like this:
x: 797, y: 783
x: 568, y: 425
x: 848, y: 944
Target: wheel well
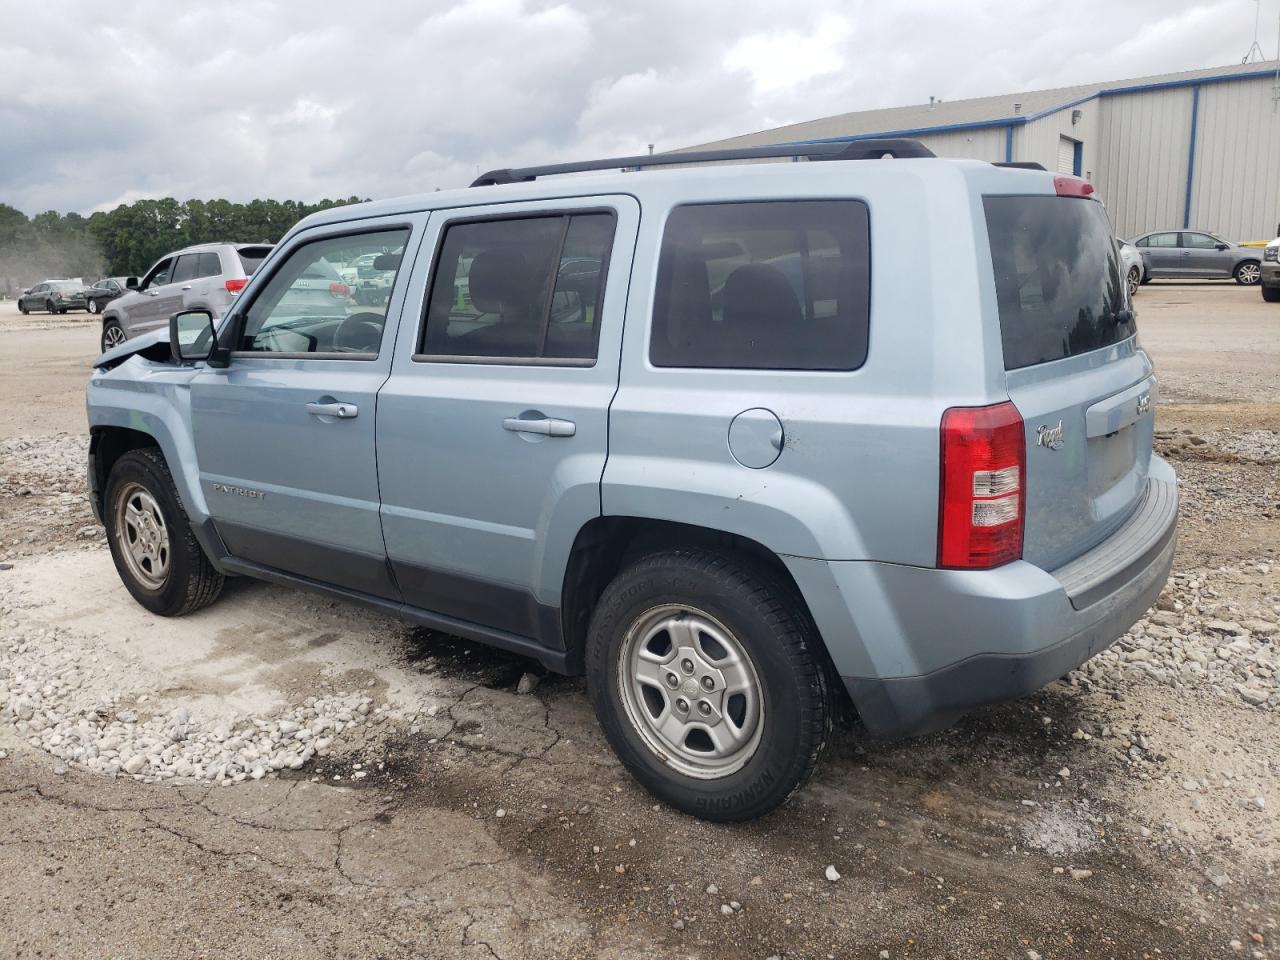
x: 605, y: 545
x: 109, y: 444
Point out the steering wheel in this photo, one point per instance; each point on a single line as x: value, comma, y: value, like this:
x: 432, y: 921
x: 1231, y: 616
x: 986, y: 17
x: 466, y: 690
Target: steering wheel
x: 360, y: 332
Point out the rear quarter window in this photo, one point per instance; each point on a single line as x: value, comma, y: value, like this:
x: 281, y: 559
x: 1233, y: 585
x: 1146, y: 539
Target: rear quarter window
x: 769, y: 285
x: 1057, y: 276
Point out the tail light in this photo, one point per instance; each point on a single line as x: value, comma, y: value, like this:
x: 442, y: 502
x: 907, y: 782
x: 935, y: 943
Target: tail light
x: 983, y: 487
x: 235, y: 286
x: 339, y: 290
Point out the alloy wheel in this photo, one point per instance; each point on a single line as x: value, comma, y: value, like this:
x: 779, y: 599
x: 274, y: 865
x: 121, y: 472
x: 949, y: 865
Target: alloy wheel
x: 1249, y: 273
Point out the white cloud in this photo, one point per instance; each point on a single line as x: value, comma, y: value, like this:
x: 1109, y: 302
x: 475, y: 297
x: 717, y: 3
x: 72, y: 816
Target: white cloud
x: 383, y: 97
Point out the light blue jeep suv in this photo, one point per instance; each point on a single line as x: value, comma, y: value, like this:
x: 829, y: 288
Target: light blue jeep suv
x: 731, y: 439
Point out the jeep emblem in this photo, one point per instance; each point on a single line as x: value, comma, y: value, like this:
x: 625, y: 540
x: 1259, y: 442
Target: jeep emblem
x: 1051, y: 437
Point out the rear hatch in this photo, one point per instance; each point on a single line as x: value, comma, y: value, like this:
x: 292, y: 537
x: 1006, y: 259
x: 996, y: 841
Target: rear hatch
x: 1085, y: 392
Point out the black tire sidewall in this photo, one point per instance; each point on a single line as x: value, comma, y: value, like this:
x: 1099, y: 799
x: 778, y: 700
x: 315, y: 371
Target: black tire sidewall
x: 140, y: 468
x: 781, y: 761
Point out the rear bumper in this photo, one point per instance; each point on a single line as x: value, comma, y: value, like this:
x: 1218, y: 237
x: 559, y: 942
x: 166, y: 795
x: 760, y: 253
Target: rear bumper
x: 936, y: 643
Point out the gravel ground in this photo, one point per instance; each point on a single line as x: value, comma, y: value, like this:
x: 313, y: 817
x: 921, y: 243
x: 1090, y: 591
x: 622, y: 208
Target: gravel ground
x: 286, y: 775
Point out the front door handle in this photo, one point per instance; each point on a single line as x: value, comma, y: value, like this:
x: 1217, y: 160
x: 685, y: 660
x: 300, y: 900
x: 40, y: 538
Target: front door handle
x: 546, y: 426
x: 338, y: 410
x: 187, y: 287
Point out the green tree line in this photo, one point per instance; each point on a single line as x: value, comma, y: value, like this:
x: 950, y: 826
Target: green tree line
x: 129, y: 239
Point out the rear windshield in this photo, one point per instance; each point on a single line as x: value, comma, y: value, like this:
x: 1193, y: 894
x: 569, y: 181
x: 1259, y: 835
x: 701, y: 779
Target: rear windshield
x: 251, y: 257
x: 66, y: 286
x: 1058, y: 285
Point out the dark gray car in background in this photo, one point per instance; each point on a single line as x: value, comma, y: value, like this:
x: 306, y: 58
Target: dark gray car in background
x: 1196, y: 255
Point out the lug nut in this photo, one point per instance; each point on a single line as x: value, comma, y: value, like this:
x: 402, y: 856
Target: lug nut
x: 673, y: 681
x: 682, y: 705
x: 708, y: 683
x: 686, y: 665
x: 704, y: 708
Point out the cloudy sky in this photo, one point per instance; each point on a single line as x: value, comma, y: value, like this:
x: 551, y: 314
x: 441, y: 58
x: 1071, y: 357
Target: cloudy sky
x: 104, y: 103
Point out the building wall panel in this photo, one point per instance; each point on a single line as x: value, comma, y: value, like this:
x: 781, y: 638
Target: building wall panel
x: 1142, y: 169
x: 1235, y: 190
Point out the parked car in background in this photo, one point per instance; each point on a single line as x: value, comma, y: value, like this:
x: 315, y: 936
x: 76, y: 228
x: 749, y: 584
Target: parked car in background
x: 204, y: 277
x: 1130, y: 265
x: 1196, y: 255
x: 1271, y: 271
x: 55, y: 296
x: 104, y: 291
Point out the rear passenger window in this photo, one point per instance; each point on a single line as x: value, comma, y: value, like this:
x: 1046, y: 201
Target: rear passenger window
x: 773, y: 285
x: 186, y: 268
x: 209, y: 265
x: 523, y: 289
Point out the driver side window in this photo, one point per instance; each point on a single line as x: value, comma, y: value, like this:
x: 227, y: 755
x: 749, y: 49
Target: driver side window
x: 160, y: 274
x: 328, y: 297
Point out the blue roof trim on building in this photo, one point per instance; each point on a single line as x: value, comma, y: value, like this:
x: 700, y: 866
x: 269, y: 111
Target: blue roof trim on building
x: 1018, y: 120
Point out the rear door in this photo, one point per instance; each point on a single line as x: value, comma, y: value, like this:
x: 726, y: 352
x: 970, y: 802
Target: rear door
x: 493, y: 428
x: 1163, y: 255
x: 1086, y: 393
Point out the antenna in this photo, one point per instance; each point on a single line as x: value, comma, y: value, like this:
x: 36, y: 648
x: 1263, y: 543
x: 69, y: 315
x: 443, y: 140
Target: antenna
x: 1255, y: 47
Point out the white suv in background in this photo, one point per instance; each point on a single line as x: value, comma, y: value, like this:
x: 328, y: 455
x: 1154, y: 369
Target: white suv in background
x: 203, y: 277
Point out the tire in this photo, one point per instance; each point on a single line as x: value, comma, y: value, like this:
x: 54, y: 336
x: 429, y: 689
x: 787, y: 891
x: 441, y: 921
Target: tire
x: 92, y: 306
x: 1248, y: 273
x: 22, y: 308
x: 48, y: 305
x: 1135, y: 280
x: 179, y: 578
x: 112, y: 335
x: 1271, y: 294
x: 777, y: 727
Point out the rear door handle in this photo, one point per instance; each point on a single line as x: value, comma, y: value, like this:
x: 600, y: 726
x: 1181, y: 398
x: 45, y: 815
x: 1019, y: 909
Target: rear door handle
x: 341, y: 411
x: 546, y: 426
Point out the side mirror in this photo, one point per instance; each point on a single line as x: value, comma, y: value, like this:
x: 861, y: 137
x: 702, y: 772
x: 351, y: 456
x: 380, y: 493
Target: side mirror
x: 131, y: 283
x: 1222, y: 246
x: 192, y: 335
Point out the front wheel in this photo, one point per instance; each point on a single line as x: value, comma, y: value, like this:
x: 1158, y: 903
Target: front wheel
x: 1271, y: 294
x: 708, y: 682
x: 22, y: 308
x: 1135, y: 280
x: 1249, y: 273
x: 112, y: 335
x: 154, y: 550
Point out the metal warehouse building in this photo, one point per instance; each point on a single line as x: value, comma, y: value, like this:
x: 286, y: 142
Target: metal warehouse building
x: 1195, y: 149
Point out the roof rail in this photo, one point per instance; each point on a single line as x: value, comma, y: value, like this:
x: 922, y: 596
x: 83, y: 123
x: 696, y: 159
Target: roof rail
x: 896, y: 147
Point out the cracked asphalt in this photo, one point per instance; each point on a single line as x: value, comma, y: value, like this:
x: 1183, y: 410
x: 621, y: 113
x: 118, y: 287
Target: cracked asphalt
x: 494, y: 824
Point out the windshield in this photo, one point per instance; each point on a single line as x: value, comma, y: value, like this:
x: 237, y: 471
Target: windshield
x: 1058, y: 286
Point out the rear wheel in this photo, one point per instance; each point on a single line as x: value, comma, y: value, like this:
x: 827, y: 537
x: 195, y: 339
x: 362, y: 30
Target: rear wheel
x: 1249, y: 273
x: 92, y: 305
x: 708, y: 682
x: 48, y: 305
x: 154, y: 550
x: 112, y: 335
x: 1135, y: 279
x: 1271, y: 294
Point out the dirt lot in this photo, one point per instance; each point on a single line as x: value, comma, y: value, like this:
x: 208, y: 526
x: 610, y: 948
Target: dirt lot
x: 287, y: 776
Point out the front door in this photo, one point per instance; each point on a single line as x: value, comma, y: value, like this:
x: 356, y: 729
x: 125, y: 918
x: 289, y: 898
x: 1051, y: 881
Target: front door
x: 493, y: 429
x: 1203, y: 258
x: 285, y: 434
x: 159, y: 299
